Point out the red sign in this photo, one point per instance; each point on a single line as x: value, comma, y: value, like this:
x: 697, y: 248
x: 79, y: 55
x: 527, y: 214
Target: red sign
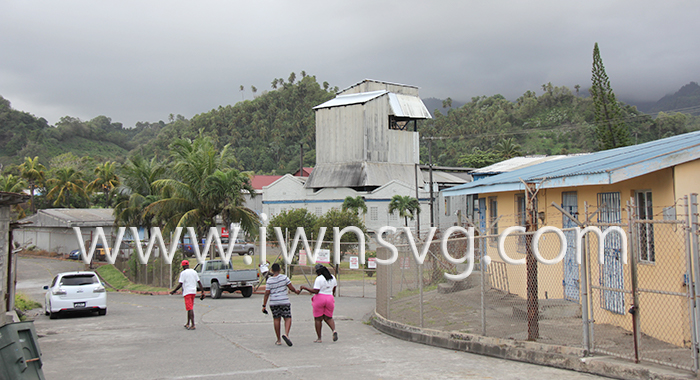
x: 224, y: 232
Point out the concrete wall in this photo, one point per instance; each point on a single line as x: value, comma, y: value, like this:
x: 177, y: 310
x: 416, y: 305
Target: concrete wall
x: 59, y: 240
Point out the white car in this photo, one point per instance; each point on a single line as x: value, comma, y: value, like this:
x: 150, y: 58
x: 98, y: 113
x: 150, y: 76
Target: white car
x: 75, y: 291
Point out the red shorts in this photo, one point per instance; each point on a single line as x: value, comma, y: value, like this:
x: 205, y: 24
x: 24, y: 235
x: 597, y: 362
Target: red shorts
x: 189, y: 302
x: 323, y: 304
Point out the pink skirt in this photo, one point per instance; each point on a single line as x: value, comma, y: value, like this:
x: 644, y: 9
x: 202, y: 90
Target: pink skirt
x: 323, y: 304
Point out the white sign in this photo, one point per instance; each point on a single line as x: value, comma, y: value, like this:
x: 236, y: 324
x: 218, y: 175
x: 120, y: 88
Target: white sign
x: 324, y: 256
x: 302, y: 257
x: 371, y: 263
x: 354, y: 262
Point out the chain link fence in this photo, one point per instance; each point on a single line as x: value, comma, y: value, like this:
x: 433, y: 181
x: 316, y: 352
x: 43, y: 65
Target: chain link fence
x: 644, y: 309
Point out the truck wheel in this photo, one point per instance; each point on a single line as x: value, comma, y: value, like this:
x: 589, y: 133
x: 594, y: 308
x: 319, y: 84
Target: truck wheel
x: 215, y: 290
x: 247, y: 291
x: 251, y: 252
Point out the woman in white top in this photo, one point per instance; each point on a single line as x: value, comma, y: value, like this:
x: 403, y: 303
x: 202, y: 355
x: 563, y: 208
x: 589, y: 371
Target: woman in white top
x: 323, y: 300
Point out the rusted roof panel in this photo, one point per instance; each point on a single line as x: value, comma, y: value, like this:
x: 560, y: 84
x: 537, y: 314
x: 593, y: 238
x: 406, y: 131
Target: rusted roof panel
x: 360, y: 174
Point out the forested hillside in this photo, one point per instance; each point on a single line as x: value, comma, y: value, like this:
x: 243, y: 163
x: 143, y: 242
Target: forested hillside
x: 265, y: 134
x: 489, y: 129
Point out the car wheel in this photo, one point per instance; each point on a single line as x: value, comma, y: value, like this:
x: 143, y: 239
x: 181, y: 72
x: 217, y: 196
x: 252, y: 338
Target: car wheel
x: 251, y: 252
x: 53, y: 315
x: 102, y: 312
x: 247, y: 291
x: 215, y: 290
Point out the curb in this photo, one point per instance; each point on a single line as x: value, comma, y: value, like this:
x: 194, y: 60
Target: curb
x: 570, y: 358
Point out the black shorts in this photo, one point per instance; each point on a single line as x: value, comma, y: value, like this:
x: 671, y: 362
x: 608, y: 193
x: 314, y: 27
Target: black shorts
x: 281, y: 311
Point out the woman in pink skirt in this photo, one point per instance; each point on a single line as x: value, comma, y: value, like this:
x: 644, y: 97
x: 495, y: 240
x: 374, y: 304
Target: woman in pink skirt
x: 323, y: 300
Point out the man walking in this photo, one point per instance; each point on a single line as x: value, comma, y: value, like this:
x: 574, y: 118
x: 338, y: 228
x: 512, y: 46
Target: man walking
x: 189, y: 279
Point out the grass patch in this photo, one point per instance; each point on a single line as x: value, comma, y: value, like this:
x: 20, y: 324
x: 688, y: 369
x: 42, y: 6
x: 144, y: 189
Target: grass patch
x: 413, y: 292
x: 118, y: 281
x: 24, y: 303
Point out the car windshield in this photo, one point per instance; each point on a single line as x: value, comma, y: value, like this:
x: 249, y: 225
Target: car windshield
x: 79, y: 279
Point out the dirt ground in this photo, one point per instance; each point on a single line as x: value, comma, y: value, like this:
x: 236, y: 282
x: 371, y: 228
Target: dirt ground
x: 560, y: 323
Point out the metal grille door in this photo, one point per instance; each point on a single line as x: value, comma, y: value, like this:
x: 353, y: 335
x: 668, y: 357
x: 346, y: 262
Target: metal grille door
x: 571, y: 270
x: 611, y: 274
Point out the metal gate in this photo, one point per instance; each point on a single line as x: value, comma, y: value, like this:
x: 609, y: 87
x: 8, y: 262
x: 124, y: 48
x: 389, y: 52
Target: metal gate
x: 611, y: 278
x: 571, y: 270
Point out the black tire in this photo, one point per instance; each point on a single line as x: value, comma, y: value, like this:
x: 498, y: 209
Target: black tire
x: 102, y: 312
x: 53, y: 315
x: 251, y: 252
x: 247, y: 291
x: 215, y: 290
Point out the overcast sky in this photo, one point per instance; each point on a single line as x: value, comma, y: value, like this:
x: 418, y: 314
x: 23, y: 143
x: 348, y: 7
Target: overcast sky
x: 143, y: 60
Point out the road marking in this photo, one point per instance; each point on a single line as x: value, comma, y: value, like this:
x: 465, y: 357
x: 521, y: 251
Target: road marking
x: 267, y: 370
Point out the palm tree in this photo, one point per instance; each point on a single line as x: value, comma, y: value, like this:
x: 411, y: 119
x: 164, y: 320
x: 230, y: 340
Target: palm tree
x: 33, y: 172
x: 138, y: 178
x: 106, y: 180
x: 508, y: 148
x: 12, y: 184
x: 407, y: 207
x: 356, y: 204
x: 66, y: 181
x: 204, y: 186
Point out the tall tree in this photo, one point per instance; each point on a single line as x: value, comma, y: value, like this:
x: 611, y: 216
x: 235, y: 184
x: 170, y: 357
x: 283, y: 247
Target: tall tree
x: 33, y: 171
x: 611, y: 130
x: 508, y: 148
x: 106, y: 179
x: 203, y: 186
x: 355, y: 204
x: 138, y: 176
x: 406, y: 206
x: 12, y: 184
x: 65, y: 183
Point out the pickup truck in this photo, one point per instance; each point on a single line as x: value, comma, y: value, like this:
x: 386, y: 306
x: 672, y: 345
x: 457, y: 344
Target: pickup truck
x: 240, y: 247
x: 218, y: 276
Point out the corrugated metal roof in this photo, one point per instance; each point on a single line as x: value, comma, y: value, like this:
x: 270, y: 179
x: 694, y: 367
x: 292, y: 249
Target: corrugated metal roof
x: 71, y: 217
x: 515, y: 163
x: 408, y: 106
x: 359, y: 174
x: 346, y: 100
x: 442, y: 177
x: 377, y: 81
x: 600, y: 168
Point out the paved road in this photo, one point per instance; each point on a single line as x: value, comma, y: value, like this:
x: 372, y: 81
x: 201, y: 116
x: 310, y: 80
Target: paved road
x: 142, y: 337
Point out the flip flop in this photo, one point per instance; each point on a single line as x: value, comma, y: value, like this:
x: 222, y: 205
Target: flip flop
x: 187, y: 327
x: 318, y: 341
x: 335, y: 336
x: 286, y: 340
x: 192, y: 328
x: 278, y: 343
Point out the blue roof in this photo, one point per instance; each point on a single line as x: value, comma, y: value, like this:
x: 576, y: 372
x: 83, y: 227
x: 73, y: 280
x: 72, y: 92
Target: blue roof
x: 600, y: 168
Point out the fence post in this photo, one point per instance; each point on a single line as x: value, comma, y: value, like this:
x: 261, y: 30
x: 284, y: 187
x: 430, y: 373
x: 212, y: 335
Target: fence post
x: 696, y: 267
x: 691, y: 289
x: 533, y: 304
x: 634, y: 310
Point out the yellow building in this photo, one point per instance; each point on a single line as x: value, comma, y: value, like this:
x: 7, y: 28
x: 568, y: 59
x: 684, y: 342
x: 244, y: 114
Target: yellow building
x: 645, y: 182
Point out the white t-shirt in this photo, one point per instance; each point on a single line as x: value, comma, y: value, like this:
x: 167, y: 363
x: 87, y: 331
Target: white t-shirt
x: 325, y: 286
x: 189, y: 279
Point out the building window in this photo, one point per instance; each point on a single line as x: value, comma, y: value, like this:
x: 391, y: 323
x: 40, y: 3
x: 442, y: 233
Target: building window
x: 373, y: 213
x: 493, y: 215
x: 394, y: 216
x: 319, y: 211
x: 645, y: 231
